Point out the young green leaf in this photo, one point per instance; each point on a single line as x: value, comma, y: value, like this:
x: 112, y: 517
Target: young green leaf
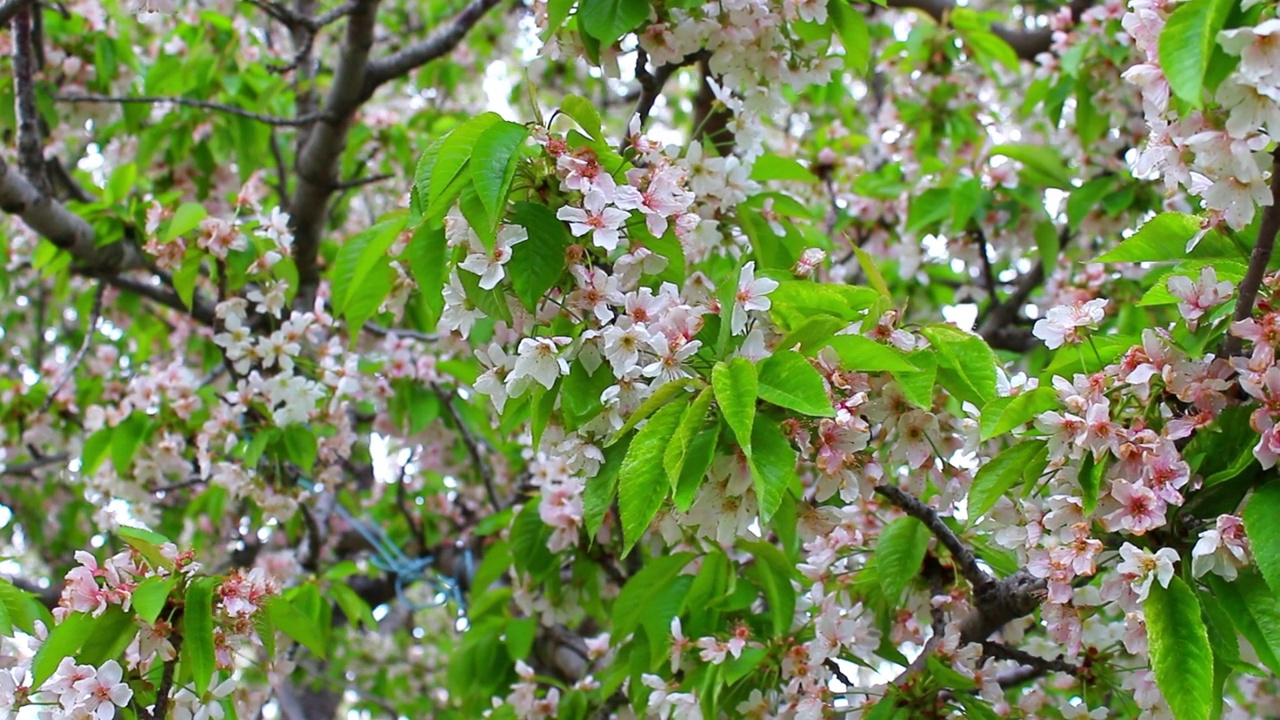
x: 966, y: 364
x: 1004, y: 414
x: 899, y: 553
x: 609, y: 20
x: 446, y: 175
x: 1179, y: 646
x: 1004, y: 471
x: 1187, y: 43
x: 773, y: 467
x: 1261, y: 516
x: 537, y: 263
x: 866, y: 355
x: 636, y: 601
x: 197, y: 632
x: 736, y: 387
x: 642, y: 483
x: 690, y: 424
x: 150, y: 596
x: 298, y: 625
x: 493, y: 164
x: 786, y: 379
x: 773, y: 573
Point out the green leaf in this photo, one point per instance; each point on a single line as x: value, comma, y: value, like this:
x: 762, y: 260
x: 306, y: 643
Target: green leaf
x: 1164, y: 238
x: 773, y: 572
x: 608, y: 20
x: 426, y: 254
x: 353, y: 606
x: 537, y: 263
x: 986, y: 46
x: 108, y: 637
x: 362, y: 267
x: 796, y: 302
x: 660, y: 398
x: 184, y: 278
x: 928, y: 208
x: 866, y: 355
x: 642, y: 483
x: 493, y: 164
x: 21, y: 609
x: 777, y: 167
x: 773, y: 467
x: 149, y: 544
x: 1047, y: 245
x: 446, y: 179
x: 150, y: 596
x: 967, y: 365
x: 197, y: 632
x: 1180, y: 653
x: 1041, y: 165
x: 185, y: 219
x: 64, y: 640
x: 637, y: 599
x: 598, y: 496
x: 899, y: 554
x: 736, y: 387
x: 300, y: 446
x: 298, y: 625
x: 872, y: 271
x: 1254, y: 610
x: 697, y: 460
x: 584, y: 113
x: 529, y: 536
x: 690, y: 424
x: 126, y: 438
x: 854, y: 35
x: 1004, y: 414
x: 1085, y: 198
x: 1003, y: 472
x: 787, y: 380
x: 1187, y: 44
x: 1090, y: 479
x: 1261, y: 516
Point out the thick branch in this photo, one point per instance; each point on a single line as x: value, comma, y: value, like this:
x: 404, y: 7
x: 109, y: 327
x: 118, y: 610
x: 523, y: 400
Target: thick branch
x: 439, y: 43
x: 9, y: 9
x: 30, y: 148
x: 1033, y: 666
x: 965, y: 560
x: 54, y: 222
x: 202, y: 104
x: 1261, y: 257
x: 200, y: 310
x: 317, y: 161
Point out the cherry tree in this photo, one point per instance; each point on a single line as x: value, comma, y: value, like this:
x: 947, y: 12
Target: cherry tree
x: 639, y: 358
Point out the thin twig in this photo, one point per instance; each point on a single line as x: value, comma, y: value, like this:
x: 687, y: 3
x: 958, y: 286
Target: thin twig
x: 438, y: 44
x: 1258, y: 261
x: 29, y: 468
x: 360, y: 182
x: 473, y: 447
x: 381, y: 331
x: 965, y: 560
x: 988, y: 275
x: 94, y: 316
x: 199, y: 310
x: 202, y: 104
x: 294, y: 20
x: 1005, y: 652
x: 161, y: 709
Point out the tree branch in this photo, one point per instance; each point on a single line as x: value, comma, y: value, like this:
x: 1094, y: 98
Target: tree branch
x: 317, y: 161
x: 30, y: 148
x: 78, y: 358
x: 68, y: 231
x: 9, y: 9
x: 473, y: 447
x: 440, y: 42
x: 1027, y: 43
x: 200, y: 309
x: 1258, y: 261
x: 965, y: 560
x: 29, y: 468
x: 1033, y: 666
x: 272, y: 120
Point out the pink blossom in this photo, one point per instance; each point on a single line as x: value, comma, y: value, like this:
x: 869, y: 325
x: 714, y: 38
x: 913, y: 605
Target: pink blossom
x: 1061, y: 324
x: 752, y: 295
x: 1140, y: 509
x: 597, y: 218
x: 1198, y: 297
